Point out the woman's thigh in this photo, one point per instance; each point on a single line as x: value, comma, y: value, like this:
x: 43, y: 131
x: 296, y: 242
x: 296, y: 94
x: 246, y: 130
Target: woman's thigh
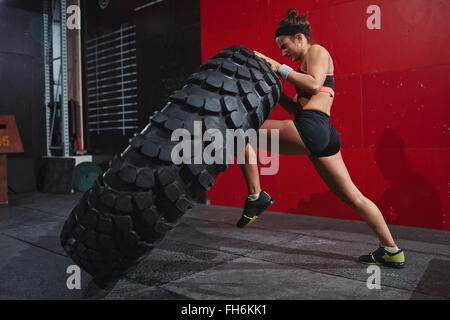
x: 290, y: 142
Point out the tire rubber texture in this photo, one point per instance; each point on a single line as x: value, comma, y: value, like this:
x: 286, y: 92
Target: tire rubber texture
x: 143, y: 194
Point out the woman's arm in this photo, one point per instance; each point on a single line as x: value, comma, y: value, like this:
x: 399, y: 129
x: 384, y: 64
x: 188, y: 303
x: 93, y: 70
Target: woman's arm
x: 289, y: 104
x: 317, y: 62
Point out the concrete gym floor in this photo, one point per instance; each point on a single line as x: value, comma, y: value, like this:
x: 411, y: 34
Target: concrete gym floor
x: 279, y: 257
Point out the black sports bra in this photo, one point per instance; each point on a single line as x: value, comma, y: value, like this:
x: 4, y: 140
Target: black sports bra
x: 328, y: 85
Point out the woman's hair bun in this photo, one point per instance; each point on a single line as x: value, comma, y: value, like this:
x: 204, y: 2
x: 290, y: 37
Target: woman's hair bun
x: 293, y: 19
x: 291, y: 13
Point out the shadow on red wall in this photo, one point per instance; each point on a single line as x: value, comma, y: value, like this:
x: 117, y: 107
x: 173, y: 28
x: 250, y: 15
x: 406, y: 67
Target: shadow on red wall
x: 409, y: 199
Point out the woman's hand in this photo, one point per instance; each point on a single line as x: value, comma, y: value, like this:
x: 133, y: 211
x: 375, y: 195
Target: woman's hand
x: 274, y: 65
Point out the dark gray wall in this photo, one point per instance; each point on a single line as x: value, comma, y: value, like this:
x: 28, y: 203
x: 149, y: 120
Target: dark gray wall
x: 22, y: 88
x: 168, y: 51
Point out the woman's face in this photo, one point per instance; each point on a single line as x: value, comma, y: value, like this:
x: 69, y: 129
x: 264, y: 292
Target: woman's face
x: 289, y: 48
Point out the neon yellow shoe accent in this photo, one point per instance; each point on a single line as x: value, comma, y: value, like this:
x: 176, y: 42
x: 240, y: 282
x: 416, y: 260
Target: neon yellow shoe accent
x: 400, y: 257
x: 251, y: 219
x: 371, y: 263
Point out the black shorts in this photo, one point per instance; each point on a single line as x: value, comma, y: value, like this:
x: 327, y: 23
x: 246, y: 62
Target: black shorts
x: 317, y: 132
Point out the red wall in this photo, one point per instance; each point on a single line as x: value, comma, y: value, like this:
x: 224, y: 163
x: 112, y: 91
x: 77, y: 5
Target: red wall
x: 391, y: 107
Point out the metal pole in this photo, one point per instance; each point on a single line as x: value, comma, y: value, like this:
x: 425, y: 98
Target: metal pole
x: 48, y: 67
x: 64, y: 86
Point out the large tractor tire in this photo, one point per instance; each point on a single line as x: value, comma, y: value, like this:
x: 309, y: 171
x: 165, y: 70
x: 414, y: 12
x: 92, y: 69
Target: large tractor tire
x: 143, y: 194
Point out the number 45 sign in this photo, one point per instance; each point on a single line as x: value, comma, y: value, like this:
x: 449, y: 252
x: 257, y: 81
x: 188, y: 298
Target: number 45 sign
x: 9, y: 143
x: 4, y: 141
x: 9, y: 135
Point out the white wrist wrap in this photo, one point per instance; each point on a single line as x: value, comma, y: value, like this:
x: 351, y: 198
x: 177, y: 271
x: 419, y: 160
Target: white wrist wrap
x: 284, y: 70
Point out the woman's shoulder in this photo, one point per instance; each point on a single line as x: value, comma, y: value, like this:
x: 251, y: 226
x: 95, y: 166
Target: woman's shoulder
x: 317, y: 48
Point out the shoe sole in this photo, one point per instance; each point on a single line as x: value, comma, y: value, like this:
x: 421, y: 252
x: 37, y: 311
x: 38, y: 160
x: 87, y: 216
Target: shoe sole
x: 396, y: 265
x: 271, y: 202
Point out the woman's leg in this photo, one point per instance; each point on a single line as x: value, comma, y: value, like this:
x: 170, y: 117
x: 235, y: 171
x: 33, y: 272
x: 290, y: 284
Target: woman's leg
x: 250, y: 171
x: 334, y: 173
x: 290, y: 143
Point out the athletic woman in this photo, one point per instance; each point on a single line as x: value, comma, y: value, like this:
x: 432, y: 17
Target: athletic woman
x: 312, y: 134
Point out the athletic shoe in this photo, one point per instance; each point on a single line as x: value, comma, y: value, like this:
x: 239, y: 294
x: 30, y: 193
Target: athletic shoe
x: 383, y: 257
x: 253, y: 208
